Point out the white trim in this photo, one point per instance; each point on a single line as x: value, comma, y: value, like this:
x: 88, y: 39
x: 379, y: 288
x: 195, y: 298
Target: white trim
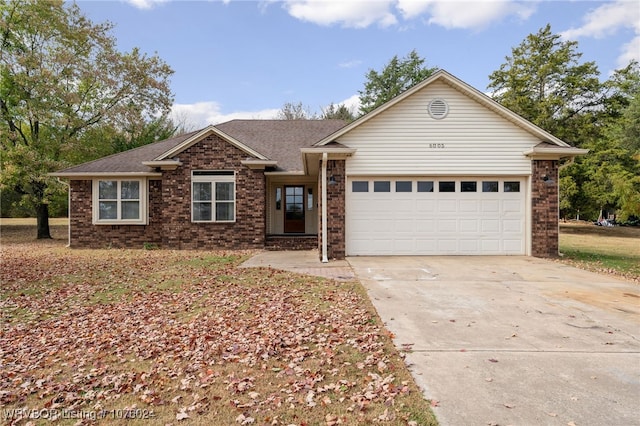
x: 143, y: 201
x: 204, y: 133
x: 551, y: 153
x: 324, y: 207
x: 461, y: 86
x: 163, y: 164
x: 256, y: 164
x: 213, y: 179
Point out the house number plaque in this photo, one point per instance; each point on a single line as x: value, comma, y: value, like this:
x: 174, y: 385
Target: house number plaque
x: 436, y: 145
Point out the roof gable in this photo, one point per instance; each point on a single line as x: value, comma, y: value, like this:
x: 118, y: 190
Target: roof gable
x: 462, y: 87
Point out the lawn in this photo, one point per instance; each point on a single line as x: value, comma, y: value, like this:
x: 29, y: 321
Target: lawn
x: 610, y: 250
x: 187, y: 337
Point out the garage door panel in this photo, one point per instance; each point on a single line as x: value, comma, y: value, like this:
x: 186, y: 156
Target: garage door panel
x: 468, y: 246
x: 425, y: 206
x: 447, y: 206
x: 490, y: 225
x: 468, y: 225
x: 468, y: 206
x: 433, y: 223
x: 447, y: 225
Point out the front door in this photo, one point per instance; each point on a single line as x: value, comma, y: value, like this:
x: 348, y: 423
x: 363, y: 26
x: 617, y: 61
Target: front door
x: 294, y: 209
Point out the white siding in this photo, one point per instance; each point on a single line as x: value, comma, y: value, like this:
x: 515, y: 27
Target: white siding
x: 476, y: 140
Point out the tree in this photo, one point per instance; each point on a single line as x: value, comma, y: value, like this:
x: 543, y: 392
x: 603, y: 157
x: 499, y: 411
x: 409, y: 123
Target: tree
x: 60, y: 77
x: 396, y: 77
x: 544, y: 82
x: 339, y: 112
x: 291, y: 111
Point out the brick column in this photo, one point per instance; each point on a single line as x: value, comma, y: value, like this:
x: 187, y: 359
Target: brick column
x: 544, y: 208
x: 335, y: 210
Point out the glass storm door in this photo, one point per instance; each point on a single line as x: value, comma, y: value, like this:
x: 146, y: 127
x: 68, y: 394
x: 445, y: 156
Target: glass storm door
x: 294, y: 209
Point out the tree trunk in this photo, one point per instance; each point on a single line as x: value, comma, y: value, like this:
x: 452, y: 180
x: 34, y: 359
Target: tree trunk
x: 42, y: 215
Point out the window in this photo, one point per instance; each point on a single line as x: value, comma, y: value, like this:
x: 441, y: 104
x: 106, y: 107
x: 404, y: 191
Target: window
x: 404, y: 186
x: 425, y: 186
x: 359, y: 186
x: 468, y: 186
x: 490, y: 186
x: 119, y: 201
x: 213, y: 196
x: 278, y: 198
x: 447, y: 186
x: 512, y: 187
x: 309, y: 199
x: 381, y: 186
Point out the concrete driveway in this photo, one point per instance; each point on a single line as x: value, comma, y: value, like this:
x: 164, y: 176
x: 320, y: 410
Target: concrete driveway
x: 512, y: 340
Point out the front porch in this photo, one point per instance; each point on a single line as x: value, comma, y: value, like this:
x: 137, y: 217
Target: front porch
x: 292, y: 242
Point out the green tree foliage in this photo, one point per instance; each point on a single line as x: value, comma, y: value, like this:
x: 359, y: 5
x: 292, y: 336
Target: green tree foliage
x: 338, y: 112
x: 396, y: 77
x: 61, y: 77
x: 544, y: 81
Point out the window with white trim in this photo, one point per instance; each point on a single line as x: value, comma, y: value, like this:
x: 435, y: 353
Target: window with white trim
x: 213, y: 196
x: 119, y: 201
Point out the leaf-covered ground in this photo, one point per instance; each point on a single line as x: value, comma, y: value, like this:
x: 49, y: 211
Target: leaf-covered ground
x: 168, y: 337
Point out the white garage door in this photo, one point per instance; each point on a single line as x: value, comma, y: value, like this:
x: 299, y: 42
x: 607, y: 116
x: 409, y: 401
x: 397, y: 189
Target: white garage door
x: 433, y: 216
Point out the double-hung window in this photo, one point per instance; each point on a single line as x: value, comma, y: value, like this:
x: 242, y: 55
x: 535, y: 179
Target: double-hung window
x: 119, y: 201
x: 213, y: 196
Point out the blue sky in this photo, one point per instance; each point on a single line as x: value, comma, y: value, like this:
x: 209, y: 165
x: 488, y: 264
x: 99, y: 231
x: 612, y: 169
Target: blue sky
x: 245, y: 59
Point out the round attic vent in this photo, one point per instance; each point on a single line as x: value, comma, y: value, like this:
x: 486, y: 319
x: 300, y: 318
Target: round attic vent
x: 438, y: 109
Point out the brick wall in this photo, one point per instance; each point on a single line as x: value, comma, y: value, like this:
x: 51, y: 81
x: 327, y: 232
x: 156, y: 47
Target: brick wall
x: 86, y: 235
x: 544, y: 204
x: 248, y: 231
x: 170, y: 223
x: 335, y: 210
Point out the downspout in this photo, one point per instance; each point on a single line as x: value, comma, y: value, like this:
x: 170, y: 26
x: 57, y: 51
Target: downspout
x: 324, y: 208
x: 68, y: 184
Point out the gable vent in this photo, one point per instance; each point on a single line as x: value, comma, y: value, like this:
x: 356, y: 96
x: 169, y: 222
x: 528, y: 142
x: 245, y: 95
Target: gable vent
x: 438, y: 109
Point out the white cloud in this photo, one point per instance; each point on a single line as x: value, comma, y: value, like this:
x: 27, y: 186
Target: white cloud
x: 201, y: 114
x: 352, y: 103
x: 464, y: 14
x: 351, y: 14
x: 606, y: 20
x: 144, y: 4
x: 350, y: 64
x: 449, y: 14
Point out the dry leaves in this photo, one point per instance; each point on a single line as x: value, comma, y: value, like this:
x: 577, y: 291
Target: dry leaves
x: 189, y: 334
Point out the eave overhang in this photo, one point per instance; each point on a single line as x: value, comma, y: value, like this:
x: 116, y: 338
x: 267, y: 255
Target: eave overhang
x: 163, y: 164
x: 92, y: 175
x: 311, y: 156
x: 554, y: 153
x: 256, y: 164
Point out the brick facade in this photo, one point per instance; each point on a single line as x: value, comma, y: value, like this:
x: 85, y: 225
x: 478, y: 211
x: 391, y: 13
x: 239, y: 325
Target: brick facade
x: 544, y: 205
x: 86, y: 235
x: 335, y: 210
x: 170, y: 224
x: 247, y: 232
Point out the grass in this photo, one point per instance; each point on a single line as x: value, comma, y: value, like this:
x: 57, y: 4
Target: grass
x: 187, y: 337
x: 609, y: 250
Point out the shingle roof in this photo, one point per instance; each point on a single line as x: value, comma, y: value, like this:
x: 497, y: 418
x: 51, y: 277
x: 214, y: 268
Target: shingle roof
x: 129, y: 161
x: 278, y: 140
x: 281, y: 140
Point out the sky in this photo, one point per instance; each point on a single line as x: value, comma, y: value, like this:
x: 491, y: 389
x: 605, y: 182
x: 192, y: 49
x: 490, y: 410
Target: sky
x: 246, y: 59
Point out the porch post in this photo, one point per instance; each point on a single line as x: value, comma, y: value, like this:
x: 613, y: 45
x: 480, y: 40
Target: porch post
x: 324, y: 207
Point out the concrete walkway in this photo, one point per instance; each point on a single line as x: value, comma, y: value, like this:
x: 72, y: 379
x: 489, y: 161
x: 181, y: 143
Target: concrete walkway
x: 302, y: 262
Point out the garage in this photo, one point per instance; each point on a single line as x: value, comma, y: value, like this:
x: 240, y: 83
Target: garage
x: 435, y: 216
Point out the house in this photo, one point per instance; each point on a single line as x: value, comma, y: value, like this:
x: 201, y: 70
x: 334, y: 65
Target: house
x: 439, y: 170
